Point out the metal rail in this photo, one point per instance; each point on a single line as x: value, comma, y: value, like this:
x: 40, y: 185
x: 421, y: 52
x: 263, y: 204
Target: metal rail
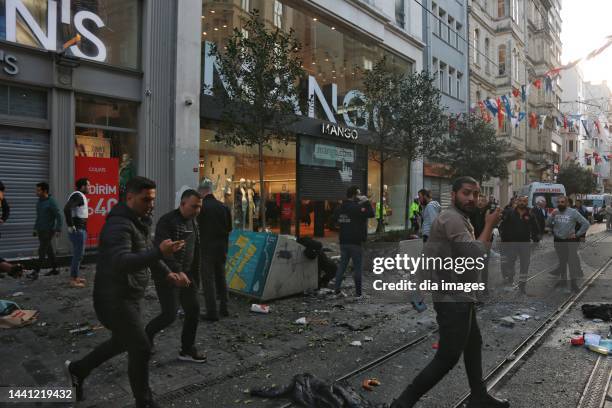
x: 533, y: 340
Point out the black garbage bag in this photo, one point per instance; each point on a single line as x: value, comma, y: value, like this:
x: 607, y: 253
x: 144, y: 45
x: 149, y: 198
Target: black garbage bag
x: 312, y: 392
x: 602, y: 311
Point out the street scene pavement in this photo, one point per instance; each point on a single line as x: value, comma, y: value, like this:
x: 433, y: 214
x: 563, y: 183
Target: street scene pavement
x: 248, y: 350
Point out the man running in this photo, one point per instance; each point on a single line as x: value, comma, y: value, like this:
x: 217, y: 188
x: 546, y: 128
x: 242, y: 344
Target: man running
x: 180, y: 285
x: 125, y: 255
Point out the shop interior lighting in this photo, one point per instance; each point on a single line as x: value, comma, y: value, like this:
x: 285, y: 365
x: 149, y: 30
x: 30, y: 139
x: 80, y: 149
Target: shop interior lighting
x: 314, y: 19
x: 212, y: 11
x: 333, y: 28
x: 204, y: 33
x: 216, y: 29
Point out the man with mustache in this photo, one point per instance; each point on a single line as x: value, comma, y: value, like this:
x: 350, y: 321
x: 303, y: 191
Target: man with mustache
x: 452, y: 235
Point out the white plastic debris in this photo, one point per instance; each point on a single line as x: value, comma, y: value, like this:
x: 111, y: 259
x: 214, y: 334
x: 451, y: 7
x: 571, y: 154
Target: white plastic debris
x: 356, y: 343
x: 368, y: 338
x: 302, y: 321
x: 17, y: 294
x: 265, y: 309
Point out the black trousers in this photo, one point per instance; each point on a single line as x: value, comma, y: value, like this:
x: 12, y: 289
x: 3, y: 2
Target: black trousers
x: 567, y: 252
x: 170, y: 297
x: 45, y: 250
x: 124, y: 320
x: 459, y: 334
x: 213, y: 282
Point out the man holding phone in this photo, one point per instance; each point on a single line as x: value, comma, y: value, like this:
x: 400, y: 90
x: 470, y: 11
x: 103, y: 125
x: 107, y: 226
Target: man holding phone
x: 179, y: 286
x: 125, y: 254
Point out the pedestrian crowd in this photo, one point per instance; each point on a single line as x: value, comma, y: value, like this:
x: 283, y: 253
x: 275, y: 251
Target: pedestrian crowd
x: 189, y: 249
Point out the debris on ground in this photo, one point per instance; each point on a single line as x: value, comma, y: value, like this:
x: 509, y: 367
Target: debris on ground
x: 507, y: 321
x: 17, y: 294
x: 369, y: 383
x: 356, y: 343
x: 265, y: 309
x: 602, y: 311
x: 311, y: 392
x: 301, y: 321
x: 368, y: 338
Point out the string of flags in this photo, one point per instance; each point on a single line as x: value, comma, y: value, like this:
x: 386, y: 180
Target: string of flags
x: 512, y: 105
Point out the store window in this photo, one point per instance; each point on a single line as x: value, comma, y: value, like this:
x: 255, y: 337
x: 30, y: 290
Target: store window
x: 234, y: 171
x: 107, y: 129
x: 20, y: 101
x: 109, y: 29
x: 327, y: 168
x: 328, y: 54
x: 395, y: 191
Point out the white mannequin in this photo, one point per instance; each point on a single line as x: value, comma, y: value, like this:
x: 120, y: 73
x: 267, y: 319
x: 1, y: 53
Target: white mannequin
x: 251, y: 204
x: 245, y: 202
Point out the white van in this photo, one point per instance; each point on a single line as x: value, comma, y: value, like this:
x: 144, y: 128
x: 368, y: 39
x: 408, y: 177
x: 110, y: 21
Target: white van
x: 549, y: 191
x: 592, y: 202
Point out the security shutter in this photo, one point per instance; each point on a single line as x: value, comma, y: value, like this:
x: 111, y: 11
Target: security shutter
x: 24, y: 161
x: 322, y: 179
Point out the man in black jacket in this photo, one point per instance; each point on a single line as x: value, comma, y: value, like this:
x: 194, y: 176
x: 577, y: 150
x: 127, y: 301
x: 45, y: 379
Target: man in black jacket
x: 122, y: 272
x: 215, y: 222
x: 180, y: 285
x: 518, y: 228
x: 352, y: 216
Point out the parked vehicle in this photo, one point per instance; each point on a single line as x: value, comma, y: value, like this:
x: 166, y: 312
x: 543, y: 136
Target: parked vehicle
x: 538, y: 190
x: 593, y: 204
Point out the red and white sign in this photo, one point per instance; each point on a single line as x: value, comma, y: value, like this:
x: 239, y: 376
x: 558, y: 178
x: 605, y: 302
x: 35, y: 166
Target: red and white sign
x: 103, y: 174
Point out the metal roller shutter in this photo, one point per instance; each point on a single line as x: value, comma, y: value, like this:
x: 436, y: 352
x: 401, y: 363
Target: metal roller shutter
x: 330, y: 181
x: 24, y: 161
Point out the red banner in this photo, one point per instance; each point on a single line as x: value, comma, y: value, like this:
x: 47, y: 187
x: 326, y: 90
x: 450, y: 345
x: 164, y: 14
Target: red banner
x: 103, y: 174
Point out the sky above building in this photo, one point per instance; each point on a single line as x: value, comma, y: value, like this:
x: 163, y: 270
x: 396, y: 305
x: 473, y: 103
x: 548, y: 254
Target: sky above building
x: 586, y: 24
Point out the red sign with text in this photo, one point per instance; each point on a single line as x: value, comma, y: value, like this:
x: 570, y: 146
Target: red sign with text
x: 103, y: 175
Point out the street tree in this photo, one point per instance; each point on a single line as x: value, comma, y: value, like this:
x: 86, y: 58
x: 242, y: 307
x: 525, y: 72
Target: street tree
x: 260, y: 69
x: 577, y: 179
x: 473, y: 149
x: 405, y: 118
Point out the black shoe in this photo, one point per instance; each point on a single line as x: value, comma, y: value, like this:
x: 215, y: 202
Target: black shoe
x: 74, y: 380
x: 209, y: 318
x: 52, y: 272
x: 522, y: 286
x: 487, y: 401
x: 192, y: 355
x: 32, y: 275
x: 148, y: 404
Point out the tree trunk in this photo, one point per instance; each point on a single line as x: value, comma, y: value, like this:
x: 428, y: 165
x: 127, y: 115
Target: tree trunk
x: 262, y: 191
x: 379, y: 208
x: 408, y: 197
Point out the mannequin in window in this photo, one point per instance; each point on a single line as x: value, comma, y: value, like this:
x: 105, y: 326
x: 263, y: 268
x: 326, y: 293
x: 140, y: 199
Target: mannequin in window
x: 227, y: 193
x: 240, y: 204
x: 251, y: 204
x: 126, y: 172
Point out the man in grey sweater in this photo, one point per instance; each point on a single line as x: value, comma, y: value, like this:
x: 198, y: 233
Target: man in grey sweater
x: 563, y: 222
x: 431, y: 210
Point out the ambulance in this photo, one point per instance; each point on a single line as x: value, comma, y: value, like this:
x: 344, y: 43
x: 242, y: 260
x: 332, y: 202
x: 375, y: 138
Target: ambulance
x: 537, y: 191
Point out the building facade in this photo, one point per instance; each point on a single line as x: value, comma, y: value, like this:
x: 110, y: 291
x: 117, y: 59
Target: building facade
x: 101, y: 105
x: 306, y: 175
x: 512, y: 43
x: 125, y: 98
x: 446, y: 58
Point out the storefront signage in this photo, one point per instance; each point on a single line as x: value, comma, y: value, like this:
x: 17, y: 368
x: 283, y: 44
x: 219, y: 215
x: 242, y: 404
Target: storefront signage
x: 340, y: 131
x: 48, y: 40
x: 103, y: 174
x: 9, y: 63
x: 333, y: 153
x: 315, y: 94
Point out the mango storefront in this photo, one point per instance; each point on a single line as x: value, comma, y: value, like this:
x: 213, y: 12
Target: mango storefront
x: 306, y: 176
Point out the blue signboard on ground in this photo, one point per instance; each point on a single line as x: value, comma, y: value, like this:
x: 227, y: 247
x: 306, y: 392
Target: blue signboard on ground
x: 248, y: 261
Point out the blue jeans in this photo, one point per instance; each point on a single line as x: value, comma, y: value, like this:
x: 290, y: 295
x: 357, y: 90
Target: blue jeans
x: 77, y: 238
x: 348, y: 252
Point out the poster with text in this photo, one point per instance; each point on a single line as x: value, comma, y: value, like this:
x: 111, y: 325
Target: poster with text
x: 103, y: 175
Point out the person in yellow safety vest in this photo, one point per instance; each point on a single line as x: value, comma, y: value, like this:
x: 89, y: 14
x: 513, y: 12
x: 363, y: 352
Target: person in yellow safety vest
x: 414, y: 212
x: 378, y: 210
